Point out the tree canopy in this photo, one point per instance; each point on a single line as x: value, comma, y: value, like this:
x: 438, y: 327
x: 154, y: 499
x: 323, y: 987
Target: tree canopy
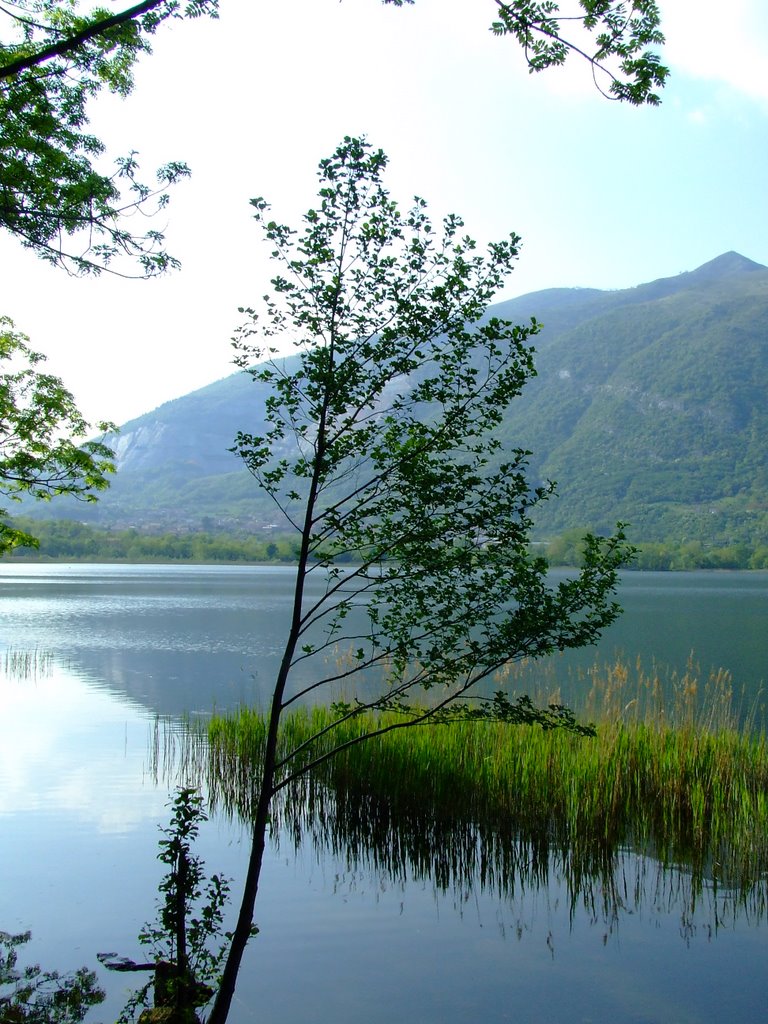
x: 41, y: 452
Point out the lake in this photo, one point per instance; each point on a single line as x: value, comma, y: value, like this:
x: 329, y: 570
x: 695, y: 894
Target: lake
x: 343, y: 938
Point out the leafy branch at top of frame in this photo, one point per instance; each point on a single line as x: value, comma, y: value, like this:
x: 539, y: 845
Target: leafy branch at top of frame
x: 42, y: 451
x: 620, y: 53
x: 616, y: 38
x: 53, y: 197
x: 48, y: 30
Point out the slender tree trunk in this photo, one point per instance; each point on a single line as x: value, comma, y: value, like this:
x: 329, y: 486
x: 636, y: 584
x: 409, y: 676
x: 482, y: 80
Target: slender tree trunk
x: 242, y: 932
x: 181, y: 983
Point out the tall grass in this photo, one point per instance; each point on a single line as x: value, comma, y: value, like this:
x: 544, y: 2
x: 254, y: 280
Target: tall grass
x: 668, y: 773
x: 26, y: 664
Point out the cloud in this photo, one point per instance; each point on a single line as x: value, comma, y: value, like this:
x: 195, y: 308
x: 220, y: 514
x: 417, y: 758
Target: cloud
x: 53, y: 759
x: 705, y: 40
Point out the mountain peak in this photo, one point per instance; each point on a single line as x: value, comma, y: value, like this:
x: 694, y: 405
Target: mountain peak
x: 725, y: 265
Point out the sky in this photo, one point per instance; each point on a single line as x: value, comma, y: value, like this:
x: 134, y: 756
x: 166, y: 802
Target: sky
x: 604, y: 195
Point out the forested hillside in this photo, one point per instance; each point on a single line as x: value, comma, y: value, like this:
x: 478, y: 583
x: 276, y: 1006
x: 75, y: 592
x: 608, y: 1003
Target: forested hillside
x: 652, y: 409
x: 649, y: 407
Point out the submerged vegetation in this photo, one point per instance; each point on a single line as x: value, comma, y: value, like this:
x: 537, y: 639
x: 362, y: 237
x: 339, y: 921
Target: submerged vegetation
x: 671, y: 773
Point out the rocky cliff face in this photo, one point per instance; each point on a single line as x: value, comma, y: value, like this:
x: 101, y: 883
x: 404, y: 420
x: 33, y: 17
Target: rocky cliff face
x: 136, y: 449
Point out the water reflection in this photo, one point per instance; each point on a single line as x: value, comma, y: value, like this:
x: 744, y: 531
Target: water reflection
x: 407, y: 839
x: 175, y: 640
x: 68, y: 749
x: 602, y: 883
x: 189, y: 638
x: 376, y: 911
x: 420, y: 914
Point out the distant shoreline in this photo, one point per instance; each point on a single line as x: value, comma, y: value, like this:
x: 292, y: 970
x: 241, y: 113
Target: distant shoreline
x: 63, y: 540
x: 277, y: 564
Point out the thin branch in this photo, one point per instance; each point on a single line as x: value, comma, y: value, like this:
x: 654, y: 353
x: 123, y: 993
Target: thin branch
x: 22, y: 20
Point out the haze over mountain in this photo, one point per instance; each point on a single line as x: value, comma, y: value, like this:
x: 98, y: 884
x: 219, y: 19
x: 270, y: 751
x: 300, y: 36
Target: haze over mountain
x: 649, y: 407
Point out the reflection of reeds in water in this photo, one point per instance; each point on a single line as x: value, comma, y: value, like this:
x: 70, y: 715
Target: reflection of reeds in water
x: 26, y: 664
x: 668, y: 776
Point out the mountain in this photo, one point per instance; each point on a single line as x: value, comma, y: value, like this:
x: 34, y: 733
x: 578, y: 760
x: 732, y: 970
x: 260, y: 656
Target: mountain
x: 649, y: 406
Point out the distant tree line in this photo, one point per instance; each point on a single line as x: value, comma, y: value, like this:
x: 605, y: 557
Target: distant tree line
x: 566, y: 549
x: 696, y: 555
x: 66, y: 539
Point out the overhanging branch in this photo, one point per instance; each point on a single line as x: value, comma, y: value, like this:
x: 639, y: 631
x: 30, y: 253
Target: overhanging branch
x: 75, y: 41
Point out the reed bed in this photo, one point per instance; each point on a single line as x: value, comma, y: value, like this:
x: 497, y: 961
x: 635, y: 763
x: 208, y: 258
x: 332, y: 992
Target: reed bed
x: 668, y: 774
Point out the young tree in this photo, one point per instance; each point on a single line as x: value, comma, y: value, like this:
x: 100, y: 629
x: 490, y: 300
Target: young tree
x: 383, y: 443
x: 183, y: 965
x: 41, y: 452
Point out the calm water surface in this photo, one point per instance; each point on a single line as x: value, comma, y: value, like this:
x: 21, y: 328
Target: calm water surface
x: 340, y: 940
x: 190, y: 638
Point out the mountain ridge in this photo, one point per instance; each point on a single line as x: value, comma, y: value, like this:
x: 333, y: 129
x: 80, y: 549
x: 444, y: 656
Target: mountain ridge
x: 647, y: 407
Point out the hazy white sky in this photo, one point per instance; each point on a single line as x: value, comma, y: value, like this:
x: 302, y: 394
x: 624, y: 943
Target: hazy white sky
x: 604, y: 195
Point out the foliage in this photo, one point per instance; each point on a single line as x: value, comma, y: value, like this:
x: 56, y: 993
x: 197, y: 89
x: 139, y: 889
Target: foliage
x: 52, y: 187
x: 695, y: 555
x: 76, y: 541
x: 190, y: 917
x: 40, y: 426
x: 567, y: 550
x: 378, y: 442
x: 42, y: 997
x: 619, y: 33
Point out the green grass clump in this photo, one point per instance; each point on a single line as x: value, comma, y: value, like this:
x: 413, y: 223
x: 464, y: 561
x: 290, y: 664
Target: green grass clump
x: 692, y: 796
x: 668, y: 773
